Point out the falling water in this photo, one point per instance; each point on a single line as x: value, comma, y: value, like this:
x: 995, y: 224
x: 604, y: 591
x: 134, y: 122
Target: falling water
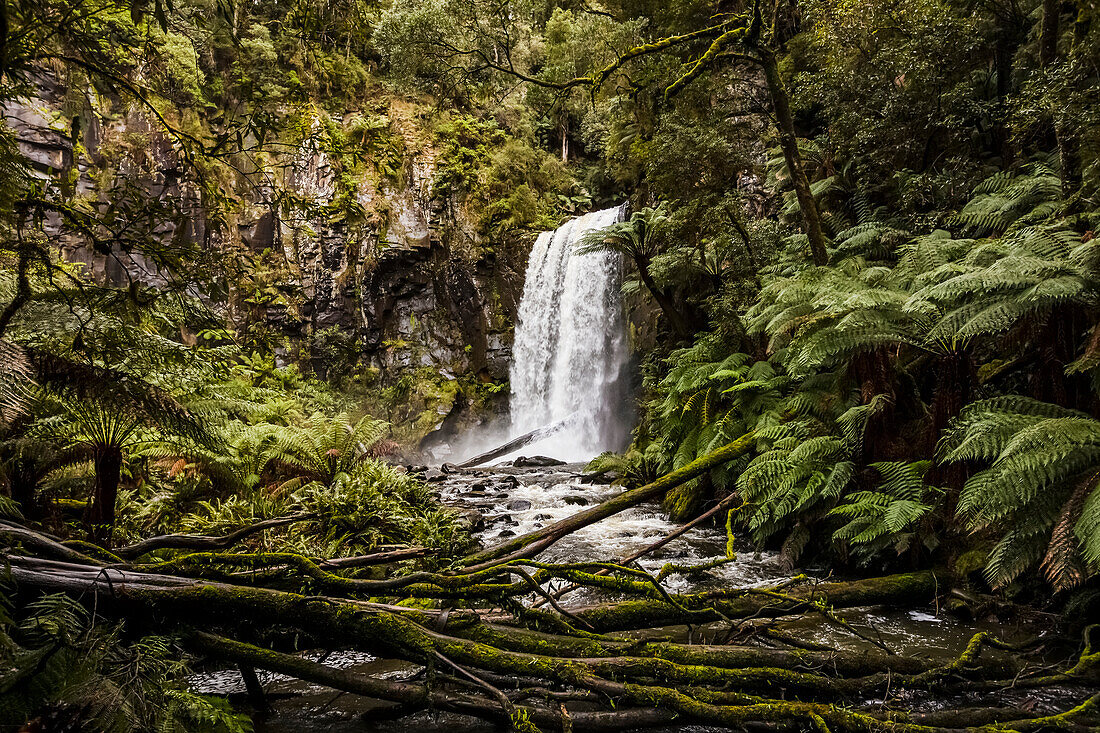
x: 570, y: 351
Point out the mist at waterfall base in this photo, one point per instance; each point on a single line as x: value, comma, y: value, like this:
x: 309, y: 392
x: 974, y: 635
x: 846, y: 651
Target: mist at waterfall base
x: 570, y: 356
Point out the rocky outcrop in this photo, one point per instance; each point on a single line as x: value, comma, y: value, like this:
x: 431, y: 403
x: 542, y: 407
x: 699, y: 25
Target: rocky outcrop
x: 393, y: 271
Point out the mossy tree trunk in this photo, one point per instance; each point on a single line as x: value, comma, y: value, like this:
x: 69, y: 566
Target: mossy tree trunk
x: 788, y: 142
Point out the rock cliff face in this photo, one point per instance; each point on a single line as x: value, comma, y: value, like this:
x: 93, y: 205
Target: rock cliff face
x: 409, y: 284
x: 400, y: 284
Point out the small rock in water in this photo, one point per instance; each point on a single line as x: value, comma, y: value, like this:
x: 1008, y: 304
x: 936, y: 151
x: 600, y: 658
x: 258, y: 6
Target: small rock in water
x: 468, y: 517
x: 508, y: 482
x: 519, y: 505
x: 542, y: 517
x: 450, y: 468
x: 575, y: 500
x: 536, y: 462
x: 434, y: 474
x: 506, y: 533
x: 479, y: 486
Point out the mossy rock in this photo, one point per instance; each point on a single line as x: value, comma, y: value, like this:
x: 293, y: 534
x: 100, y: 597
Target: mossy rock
x: 683, y: 502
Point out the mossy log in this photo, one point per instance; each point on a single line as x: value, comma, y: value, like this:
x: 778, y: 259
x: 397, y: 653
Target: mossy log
x: 205, y: 542
x: 707, y: 693
x: 49, y: 546
x: 414, y: 696
x: 892, y: 590
x: 380, y: 631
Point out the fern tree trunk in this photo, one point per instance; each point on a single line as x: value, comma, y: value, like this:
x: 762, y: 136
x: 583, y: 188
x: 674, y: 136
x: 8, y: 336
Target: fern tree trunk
x: 788, y: 141
x: 1008, y: 41
x: 101, y: 512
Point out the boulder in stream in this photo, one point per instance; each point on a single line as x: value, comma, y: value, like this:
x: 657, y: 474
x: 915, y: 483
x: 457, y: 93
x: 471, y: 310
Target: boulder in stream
x: 536, y: 462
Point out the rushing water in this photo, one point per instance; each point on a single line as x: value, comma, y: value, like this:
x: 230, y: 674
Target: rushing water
x: 570, y: 351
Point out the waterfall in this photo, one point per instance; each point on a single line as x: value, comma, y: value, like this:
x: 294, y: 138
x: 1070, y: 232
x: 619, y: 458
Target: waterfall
x: 570, y: 351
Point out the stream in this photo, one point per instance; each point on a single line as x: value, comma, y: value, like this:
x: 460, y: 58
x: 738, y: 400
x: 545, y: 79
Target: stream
x: 503, y: 502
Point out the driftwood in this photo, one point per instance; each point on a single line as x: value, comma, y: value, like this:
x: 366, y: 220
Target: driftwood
x: 516, y: 443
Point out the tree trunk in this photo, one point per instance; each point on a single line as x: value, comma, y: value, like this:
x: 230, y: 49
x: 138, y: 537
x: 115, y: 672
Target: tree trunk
x: 676, y: 319
x: 22, y: 287
x: 101, y: 511
x: 1003, y: 54
x: 788, y: 141
x: 1048, y: 32
x: 24, y: 485
x: 912, y: 588
x: 1069, y: 158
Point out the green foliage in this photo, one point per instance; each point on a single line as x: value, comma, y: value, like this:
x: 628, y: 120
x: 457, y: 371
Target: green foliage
x: 876, y: 346
x: 508, y: 183
x: 1039, y: 491
x: 889, y: 517
x: 58, y: 663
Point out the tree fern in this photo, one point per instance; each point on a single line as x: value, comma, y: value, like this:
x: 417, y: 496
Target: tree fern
x: 887, y: 518
x: 1003, y: 200
x: 1042, y: 480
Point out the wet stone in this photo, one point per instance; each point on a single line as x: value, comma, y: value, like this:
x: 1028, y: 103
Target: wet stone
x: 536, y: 462
x: 575, y: 500
x: 519, y: 505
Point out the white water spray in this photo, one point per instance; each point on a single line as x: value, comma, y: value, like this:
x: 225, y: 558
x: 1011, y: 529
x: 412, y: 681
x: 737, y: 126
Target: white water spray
x: 570, y: 352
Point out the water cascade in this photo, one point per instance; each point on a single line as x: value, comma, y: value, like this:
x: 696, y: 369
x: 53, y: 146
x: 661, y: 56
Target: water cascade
x: 569, y: 358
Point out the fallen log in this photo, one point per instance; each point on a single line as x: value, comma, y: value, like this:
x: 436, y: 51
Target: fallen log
x: 204, y: 542
x: 383, y: 632
x: 414, y: 696
x: 532, y: 543
x: 892, y: 590
x: 698, y: 692
x: 516, y: 443
x: 376, y: 558
x: 113, y: 583
x: 43, y: 544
